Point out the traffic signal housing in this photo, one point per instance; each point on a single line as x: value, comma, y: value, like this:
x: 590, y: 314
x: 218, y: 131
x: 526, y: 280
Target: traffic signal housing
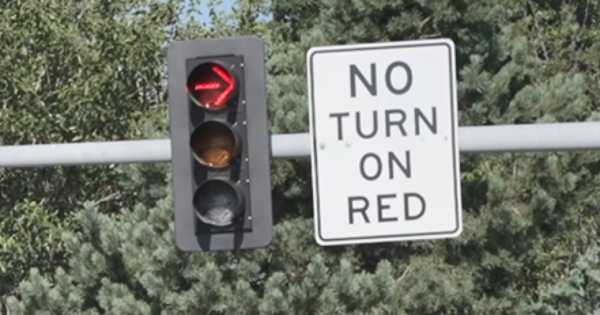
x: 220, y: 144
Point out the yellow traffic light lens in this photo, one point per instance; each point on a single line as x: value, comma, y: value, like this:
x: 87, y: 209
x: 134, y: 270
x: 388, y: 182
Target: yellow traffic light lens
x: 214, y: 144
x: 218, y: 203
x: 211, y: 86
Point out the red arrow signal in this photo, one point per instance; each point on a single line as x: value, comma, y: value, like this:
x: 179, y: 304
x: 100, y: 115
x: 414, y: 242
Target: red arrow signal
x: 207, y: 86
x: 225, y: 76
x: 217, y: 86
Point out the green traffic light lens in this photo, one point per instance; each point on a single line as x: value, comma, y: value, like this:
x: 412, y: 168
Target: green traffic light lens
x: 218, y: 202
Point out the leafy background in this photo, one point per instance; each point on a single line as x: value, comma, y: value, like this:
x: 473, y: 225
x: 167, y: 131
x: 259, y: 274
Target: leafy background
x: 99, y: 239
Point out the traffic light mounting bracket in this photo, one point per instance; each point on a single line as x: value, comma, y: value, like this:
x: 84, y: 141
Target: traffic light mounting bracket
x: 258, y: 224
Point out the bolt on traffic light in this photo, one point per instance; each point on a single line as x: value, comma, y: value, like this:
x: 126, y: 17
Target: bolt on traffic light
x: 220, y: 144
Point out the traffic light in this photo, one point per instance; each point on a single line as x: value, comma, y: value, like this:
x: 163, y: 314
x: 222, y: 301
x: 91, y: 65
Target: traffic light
x: 220, y: 144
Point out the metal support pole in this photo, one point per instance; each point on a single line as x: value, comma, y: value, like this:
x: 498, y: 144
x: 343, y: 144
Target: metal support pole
x: 481, y: 139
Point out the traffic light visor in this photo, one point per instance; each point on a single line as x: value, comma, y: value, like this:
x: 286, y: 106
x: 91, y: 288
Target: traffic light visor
x: 212, y: 86
x: 218, y: 202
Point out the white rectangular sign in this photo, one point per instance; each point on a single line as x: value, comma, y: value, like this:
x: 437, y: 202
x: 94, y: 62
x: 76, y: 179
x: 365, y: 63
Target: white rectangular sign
x: 383, y: 125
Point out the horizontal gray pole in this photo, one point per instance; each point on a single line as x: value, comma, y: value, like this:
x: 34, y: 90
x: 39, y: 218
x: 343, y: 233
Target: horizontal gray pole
x: 479, y: 139
x: 577, y: 136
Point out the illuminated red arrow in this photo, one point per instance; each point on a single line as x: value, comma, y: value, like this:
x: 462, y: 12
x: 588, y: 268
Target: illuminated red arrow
x: 226, y: 77
x: 207, y: 86
x: 229, y: 80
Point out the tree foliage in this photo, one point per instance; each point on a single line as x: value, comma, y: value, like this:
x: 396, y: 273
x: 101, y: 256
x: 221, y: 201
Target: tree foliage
x: 529, y: 244
x: 72, y: 72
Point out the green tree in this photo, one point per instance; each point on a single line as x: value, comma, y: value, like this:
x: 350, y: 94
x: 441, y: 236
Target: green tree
x: 530, y: 240
x: 71, y: 72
